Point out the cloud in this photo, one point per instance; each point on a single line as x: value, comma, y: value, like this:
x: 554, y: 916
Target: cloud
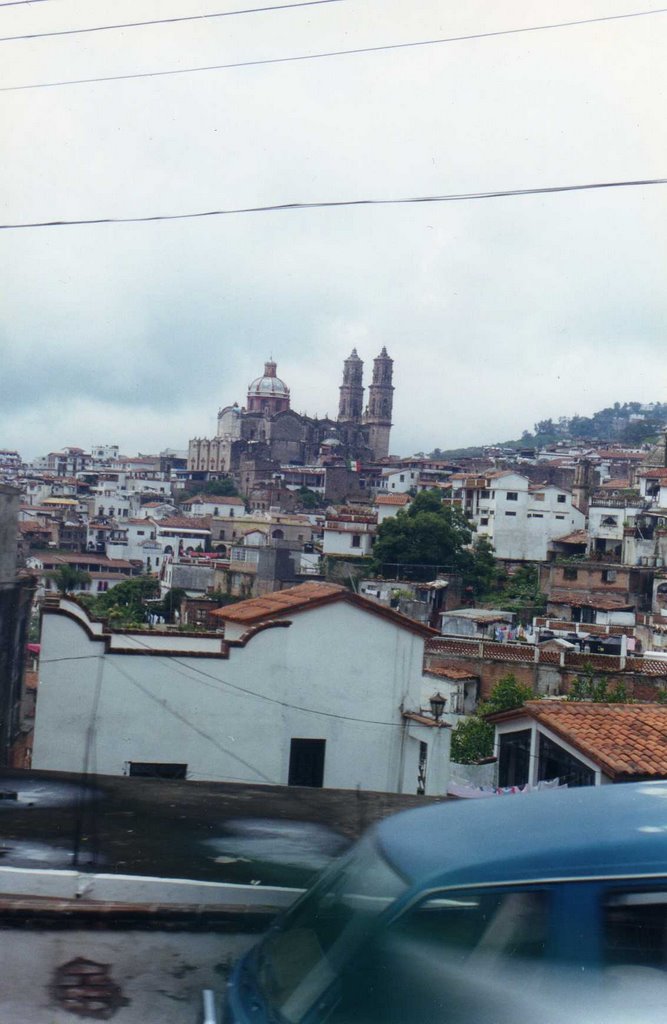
x: 497, y: 313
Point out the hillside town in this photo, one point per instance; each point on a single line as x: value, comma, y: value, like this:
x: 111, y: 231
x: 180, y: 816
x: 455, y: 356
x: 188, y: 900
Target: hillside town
x: 394, y: 633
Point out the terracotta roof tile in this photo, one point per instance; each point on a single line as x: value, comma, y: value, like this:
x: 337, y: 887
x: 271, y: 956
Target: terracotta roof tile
x: 392, y: 499
x: 312, y: 595
x: 213, y: 499
x: 578, y: 537
x: 585, y: 599
x: 624, y: 739
x: 185, y: 523
x: 278, y: 603
x: 446, y: 672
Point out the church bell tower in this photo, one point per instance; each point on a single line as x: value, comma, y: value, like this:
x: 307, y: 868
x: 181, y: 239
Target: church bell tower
x: 380, y: 404
x: 351, y: 401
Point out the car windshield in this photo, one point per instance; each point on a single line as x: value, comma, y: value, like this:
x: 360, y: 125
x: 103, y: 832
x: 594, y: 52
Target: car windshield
x: 299, y: 962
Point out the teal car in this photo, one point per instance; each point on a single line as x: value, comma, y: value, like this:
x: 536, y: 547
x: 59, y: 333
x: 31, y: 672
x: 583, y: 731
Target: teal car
x: 549, y: 906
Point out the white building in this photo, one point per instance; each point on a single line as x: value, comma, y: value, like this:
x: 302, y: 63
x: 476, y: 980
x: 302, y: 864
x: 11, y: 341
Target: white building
x: 349, y: 533
x: 398, y: 481
x: 104, y: 572
x: 519, y: 518
x: 388, y: 505
x: 210, y: 505
x: 309, y: 686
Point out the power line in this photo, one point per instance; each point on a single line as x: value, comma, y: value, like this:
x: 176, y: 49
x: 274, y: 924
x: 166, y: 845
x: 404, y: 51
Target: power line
x: 332, y: 53
x: 335, y: 203
x: 191, y: 725
x: 20, y: 3
x: 167, y: 21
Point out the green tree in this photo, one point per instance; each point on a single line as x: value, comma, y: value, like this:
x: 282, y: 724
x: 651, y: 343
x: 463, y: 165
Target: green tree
x: 308, y: 498
x: 507, y: 694
x: 483, y: 574
x: 589, y: 687
x: 126, y: 604
x: 68, y: 578
x: 472, y: 739
x: 171, y: 604
x: 428, y: 533
x: 224, y: 488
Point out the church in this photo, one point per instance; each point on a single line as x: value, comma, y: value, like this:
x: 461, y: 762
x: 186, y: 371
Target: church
x: 268, y: 432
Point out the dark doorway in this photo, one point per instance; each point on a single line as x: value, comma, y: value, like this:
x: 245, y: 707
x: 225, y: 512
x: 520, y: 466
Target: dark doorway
x: 306, y: 763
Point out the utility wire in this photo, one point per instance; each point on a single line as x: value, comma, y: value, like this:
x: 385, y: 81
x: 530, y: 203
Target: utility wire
x: 332, y: 53
x: 20, y: 3
x: 190, y: 725
x: 167, y: 21
x: 333, y: 204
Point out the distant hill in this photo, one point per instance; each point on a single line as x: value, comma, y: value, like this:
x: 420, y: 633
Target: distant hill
x: 630, y: 423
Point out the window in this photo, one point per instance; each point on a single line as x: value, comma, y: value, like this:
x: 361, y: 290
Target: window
x: 560, y: 517
x: 140, y: 533
x: 157, y: 769
x: 561, y: 498
x: 569, y: 573
x: 634, y: 930
x: 608, y: 575
x: 538, y: 496
x: 557, y: 763
x: 102, y: 586
x: 510, y: 513
x: 485, y: 494
x: 484, y: 521
x: 505, y: 924
x: 402, y: 477
x: 514, y: 758
x: 512, y: 495
x: 306, y: 763
x: 356, y: 541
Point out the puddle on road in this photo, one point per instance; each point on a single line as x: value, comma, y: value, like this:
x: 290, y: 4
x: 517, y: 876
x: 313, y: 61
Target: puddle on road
x: 272, y: 851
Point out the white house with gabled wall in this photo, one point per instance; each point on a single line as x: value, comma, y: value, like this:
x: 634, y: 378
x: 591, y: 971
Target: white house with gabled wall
x: 308, y: 686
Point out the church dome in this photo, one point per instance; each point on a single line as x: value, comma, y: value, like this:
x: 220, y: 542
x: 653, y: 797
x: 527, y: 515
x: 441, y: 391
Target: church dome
x: 269, y: 386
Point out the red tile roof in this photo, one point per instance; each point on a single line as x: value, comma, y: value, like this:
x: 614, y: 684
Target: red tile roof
x: 184, y: 523
x: 306, y: 596
x: 446, y: 672
x: 624, y: 739
x: 616, y: 454
x: 213, y: 499
x: 617, y: 484
x: 585, y: 599
x: 80, y: 558
x: 392, y: 499
x: 578, y: 537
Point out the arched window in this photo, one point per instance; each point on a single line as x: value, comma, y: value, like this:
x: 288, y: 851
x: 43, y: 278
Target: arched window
x: 278, y: 535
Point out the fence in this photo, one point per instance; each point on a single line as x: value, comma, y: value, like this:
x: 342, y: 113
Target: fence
x: 516, y: 653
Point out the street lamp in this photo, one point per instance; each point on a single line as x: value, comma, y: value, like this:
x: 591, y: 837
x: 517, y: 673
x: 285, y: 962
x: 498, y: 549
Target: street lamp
x: 437, y: 702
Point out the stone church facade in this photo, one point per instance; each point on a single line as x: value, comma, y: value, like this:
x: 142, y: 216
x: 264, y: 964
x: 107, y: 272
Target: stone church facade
x: 269, y: 433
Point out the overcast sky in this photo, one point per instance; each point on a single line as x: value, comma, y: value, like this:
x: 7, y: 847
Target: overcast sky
x: 496, y: 312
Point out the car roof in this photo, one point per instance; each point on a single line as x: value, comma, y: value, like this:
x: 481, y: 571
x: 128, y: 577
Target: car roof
x: 589, y: 831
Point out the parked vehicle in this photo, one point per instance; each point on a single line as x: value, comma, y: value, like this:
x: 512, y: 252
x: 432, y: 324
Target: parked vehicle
x: 550, y: 904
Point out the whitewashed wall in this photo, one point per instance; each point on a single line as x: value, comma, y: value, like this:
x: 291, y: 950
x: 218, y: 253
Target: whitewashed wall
x: 233, y: 718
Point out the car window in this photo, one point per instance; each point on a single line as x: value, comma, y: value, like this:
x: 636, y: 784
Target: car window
x: 441, y: 959
x: 503, y: 923
x: 635, y: 929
